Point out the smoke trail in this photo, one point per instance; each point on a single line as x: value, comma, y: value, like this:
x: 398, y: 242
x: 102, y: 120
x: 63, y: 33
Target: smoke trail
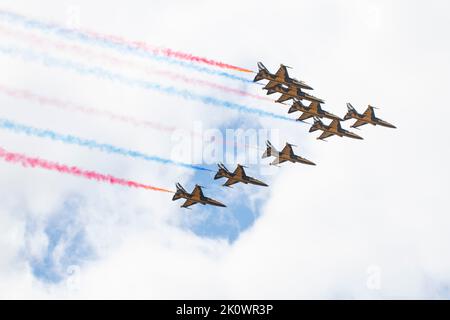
x: 107, y: 42
x: 91, y: 144
x: 26, y: 161
x: 50, y: 61
x: 165, y: 51
x: 91, y: 55
x: 66, y: 105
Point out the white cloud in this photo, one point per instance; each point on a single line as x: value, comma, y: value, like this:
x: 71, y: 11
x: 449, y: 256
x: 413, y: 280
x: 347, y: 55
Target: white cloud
x: 378, y: 202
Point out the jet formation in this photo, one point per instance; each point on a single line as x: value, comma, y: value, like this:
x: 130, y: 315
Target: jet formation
x: 293, y: 89
x: 289, y: 89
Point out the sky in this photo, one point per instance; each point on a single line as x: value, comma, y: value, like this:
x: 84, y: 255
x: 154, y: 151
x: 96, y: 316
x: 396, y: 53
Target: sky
x: 369, y: 221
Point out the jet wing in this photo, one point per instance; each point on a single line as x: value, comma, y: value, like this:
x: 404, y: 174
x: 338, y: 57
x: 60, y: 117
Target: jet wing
x: 284, y: 97
x: 358, y: 123
x: 188, y: 203
x: 270, y: 85
x: 198, y: 193
x: 230, y: 182
x: 282, y: 73
x: 239, y: 172
x: 305, y: 116
x: 287, y: 150
x: 369, y: 113
x: 335, y: 125
x: 315, y: 107
x: 325, y: 135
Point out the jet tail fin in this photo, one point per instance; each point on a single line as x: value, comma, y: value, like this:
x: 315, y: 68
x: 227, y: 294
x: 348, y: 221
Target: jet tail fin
x: 261, y: 67
x: 262, y: 71
x: 179, y: 193
x: 222, y: 172
x: 316, y: 125
x: 351, y: 111
x: 270, y: 150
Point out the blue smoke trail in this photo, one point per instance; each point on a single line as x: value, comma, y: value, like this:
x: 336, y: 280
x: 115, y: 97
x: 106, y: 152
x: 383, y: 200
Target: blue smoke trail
x: 71, y: 34
x: 42, y: 133
x: 29, y: 55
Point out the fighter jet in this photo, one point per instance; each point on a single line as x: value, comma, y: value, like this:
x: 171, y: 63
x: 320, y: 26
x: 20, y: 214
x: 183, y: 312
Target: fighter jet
x: 285, y: 155
x: 288, y: 93
x: 313, y: 110
x: 237, y: 176
x: 280, y: 77
x: 334, y: 128
x: 195, y: 197
x: 367, y: 117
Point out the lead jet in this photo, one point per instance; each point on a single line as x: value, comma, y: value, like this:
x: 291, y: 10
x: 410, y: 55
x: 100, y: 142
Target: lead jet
x: 287, y: 154
x: 334, y: 128
x: 280, y: 77
x: 237, y: 176
x: 367, y: 117
x: 313, y: 110
x: 288, y: 93
x: 195, y: 197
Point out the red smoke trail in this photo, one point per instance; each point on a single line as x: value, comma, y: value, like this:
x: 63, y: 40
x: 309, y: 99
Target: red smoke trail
x: 164, y: 51
x: 125, y: 63
x: 39, y: 41
x: 26, y: 161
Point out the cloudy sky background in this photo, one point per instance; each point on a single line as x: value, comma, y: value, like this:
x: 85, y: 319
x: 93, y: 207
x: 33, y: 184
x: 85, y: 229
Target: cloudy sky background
x: 371, y: 220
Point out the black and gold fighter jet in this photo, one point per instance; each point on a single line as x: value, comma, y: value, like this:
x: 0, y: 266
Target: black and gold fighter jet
x: 334, y: 128
x: 195, y: 197
x: 237, y: 176
x: 289, y: 92
x: 287, y: 154
x: 367, y: 117
x: 313, y: 110
x: 280, y: 77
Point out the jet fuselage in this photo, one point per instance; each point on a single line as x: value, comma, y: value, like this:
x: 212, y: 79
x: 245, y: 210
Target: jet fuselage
x: 370, y: 120
x: 314, y: 110
x: 294, y: 93
x: 338, y: 132
x: 280, y: 80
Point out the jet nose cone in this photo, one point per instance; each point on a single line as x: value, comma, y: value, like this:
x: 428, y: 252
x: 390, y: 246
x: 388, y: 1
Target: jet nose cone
x: 391, y: 126
x: 354, y: 136
x: 215, y: 203
x: 309, y: 162
x: 306, y: 86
